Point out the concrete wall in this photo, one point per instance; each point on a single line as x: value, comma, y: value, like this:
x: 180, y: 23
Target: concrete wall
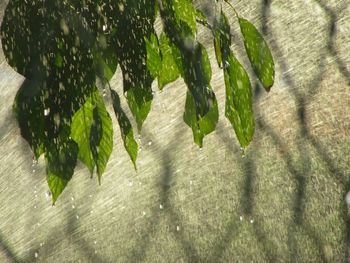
x: 283, y: 201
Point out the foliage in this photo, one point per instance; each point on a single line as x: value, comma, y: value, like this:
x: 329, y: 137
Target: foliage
x: 65, y: 47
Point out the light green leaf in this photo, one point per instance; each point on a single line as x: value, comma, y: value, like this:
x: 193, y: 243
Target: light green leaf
x: 185, y: 12
x: 92, y: 130
x: 154, y: 60
x: 259, y: 53
x: 169, y: 70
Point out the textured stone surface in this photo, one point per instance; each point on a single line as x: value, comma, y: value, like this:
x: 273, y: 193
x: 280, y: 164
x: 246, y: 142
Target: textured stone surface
x: 189, y: 205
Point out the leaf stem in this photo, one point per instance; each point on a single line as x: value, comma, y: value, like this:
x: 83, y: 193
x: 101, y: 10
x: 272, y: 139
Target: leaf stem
x: 234, y: 9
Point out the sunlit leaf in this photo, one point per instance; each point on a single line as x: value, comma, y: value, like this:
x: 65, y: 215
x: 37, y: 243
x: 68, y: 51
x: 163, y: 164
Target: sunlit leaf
x: 92, y: 130
x: 238, y: 107
x: 154, y: 60
x: 259, y: 53
x: 185, y: 12
x: 126, y: 130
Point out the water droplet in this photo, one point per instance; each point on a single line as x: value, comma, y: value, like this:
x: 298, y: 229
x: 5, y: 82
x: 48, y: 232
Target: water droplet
x: 251, y: 221
x: 47, y: 111
x: 77, y: 216
x: 95, y: 242
x: 161, y: 206
x: 35, y: 206
x: 150, y: 143
x: 36, y: 254
x: 72, y: 198
x: 130, y: 183
x: 177, y: 228
x: 240, y: 218
x: 94, y: 229
x: 48, y: 195
x: 90, y: 196
x: 104, y: 27
x: 73, y: 206
x: 143, y: 213
x: 41, y: 244
x: 243, y: 152
x: 347, y: 198
x: 191, y: 182
x: 226, y: 64
x: 104, y: 92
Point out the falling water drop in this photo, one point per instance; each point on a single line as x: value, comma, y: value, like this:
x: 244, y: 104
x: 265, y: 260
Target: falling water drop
x: 161, y: 206
x: 240, y: 218
x: 47, y: 111
x: 243, y: 152
x: 48, y: 195
x: 77, y: 216
x: 143, y: 213
x: 104, y: 92
x: 36, y: 254
x: 251, y: 221
x: 150, y: 143
x: 177, y: 228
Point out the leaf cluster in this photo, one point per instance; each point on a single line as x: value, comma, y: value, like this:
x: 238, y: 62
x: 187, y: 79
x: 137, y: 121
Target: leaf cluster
x: 64, y: 48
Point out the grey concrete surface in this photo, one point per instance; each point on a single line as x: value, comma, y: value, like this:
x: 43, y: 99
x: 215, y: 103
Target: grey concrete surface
x: 283, y: 202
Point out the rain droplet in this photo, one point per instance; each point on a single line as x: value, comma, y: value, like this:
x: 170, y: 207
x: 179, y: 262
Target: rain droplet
x: 240, y: 218
x: 95, y: 242
x: 48, y: 195
x: 161, y: 206
x: 104, y: 27
x: 72, y: 198
x: 77, y: 216
x: 104, y: 92
x: 177, y: 228
x: 47, y: 111
x: 226, y: 64
x: 36, y: 254
x: 251, y: 221
x: 73, y: 206
x: 143, y: 213
x: 130, y: 183
x: 41, y: 244
x: 150, y: 143
x: 243, y: 152
x: 191, y: 182
x: 347, y: 198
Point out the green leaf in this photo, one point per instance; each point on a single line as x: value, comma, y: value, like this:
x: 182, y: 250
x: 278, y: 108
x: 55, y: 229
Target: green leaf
x: 169, y: 69
x: 92, y: 130
x: 201, y: 126
x: 185, y: 12
x: 154, y: 60
x: 132, y: 55
x: 126, y: 130
x: 239, y: 108
x: 139, y: 101
x: 61, y: 159
x: 201, y: 109
x: 259, y: 53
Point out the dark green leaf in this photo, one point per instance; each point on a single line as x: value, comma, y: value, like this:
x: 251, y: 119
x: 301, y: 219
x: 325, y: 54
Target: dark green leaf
x: 135, y: 24
x: 125, y: 128
x: 238, y: 108
x: 61, y: 160
x: 201, y: 109
x: 259, y: 53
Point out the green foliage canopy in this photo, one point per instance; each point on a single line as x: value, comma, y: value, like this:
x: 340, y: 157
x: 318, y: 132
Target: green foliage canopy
x: 64, y: 48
